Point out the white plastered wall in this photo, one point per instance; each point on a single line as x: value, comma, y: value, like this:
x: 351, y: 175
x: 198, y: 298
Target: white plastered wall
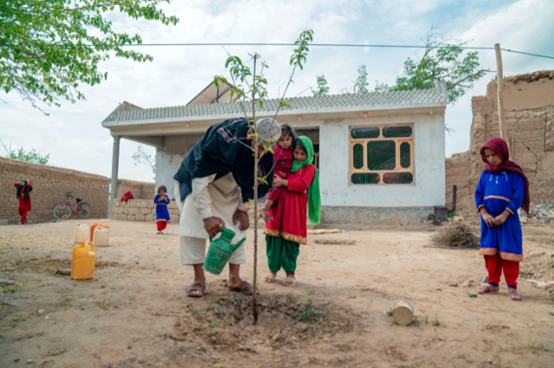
x: 429, y: 164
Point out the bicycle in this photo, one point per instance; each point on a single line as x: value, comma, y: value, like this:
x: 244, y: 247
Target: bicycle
x: 64, y: 211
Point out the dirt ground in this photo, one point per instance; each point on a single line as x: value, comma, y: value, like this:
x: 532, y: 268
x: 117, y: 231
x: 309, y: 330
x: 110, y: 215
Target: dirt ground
x: 135, y: 313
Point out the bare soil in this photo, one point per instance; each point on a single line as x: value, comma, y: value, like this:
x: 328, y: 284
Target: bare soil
x: 135, y: 312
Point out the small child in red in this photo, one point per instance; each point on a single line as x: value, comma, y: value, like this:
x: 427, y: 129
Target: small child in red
x: 23, y: 190
x: 283, y: 157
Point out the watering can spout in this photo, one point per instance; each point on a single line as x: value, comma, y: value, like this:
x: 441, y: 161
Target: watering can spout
x: 236, y: 246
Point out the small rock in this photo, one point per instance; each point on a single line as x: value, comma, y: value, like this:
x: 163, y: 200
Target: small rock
x: 22, y: 260
x: 48, y: 256
x: 468, y: 283
x: 452, y: 284
x: 466, y: 320
x: 103, y: 286
x: 11, y: 282
x: 65, y: 271
x: 215, y: 357
x: 40, y: 312
x: 223, y: 298
x: 10, y: 269
x: 129, y: 347
x: 4, y: 281
x: 29, y: 361
x: 137, y: 262
x: 552, y: 312
x: 46, y: 318
x: 473, y: 295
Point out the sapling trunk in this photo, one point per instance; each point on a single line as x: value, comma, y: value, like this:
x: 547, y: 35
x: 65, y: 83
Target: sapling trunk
x: 256, y: 159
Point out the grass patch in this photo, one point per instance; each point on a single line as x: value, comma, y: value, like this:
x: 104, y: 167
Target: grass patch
x: 436, y: 321
x: 537, y: 345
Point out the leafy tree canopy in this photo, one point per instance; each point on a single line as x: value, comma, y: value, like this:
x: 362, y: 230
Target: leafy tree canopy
x: 50, y: 48
x: 27, y: 156
x: 142, y: 157
x: 442, y: 59
x: 322, y: 88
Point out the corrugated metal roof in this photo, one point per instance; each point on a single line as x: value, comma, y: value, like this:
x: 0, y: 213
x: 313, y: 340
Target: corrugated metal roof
x: 348, y: 101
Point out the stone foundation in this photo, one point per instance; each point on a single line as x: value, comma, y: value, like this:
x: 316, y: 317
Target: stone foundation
x: 142, y: 210
x: 399, y: 216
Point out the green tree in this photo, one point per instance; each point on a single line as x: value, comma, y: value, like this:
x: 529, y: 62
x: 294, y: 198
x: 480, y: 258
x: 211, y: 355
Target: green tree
x: 442, y: 59
x: 27, y: 156
x: 250, y: 85
x: 361, y: 82
x: 322, y: 89
x: 50, y: 48
x: 142, y: 157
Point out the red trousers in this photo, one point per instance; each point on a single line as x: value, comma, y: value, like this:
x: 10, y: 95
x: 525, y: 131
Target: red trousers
x: 495, y: 264
x: 161, y: 225
x: 23, y: 216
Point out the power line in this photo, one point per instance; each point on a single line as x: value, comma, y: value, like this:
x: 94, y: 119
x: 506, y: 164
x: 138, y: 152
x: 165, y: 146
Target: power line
x: 211, y: 44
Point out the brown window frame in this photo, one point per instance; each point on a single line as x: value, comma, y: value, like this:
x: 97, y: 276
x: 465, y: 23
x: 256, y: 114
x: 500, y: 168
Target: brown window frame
x: 364, y: 141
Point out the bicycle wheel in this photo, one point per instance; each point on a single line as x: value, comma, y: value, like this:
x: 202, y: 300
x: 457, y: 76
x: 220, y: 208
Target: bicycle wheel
x: 83, y: 210
x: 62, y: 212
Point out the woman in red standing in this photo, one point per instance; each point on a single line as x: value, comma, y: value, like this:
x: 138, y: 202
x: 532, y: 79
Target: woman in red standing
x: 23, y: 190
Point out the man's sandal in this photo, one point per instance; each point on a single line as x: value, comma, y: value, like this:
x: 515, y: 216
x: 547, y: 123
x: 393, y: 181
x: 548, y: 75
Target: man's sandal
x: 485, y: 289
x: 196, y: 286
x: 514, y: 295
x: 270, y: 277
x: 289, y: 281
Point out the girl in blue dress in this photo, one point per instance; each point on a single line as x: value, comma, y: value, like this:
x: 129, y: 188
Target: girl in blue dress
x: 162, y: 213
x: 502, y: 189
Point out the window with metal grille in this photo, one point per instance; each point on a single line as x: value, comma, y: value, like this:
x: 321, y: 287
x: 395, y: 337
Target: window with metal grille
x: 382, y: 155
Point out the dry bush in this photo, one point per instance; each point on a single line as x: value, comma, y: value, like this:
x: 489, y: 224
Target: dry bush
x: 456, y: 235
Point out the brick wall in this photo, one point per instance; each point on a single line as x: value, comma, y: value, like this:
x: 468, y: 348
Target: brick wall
x: 143, y: 210
x: 49, y: 187
x: 140, y: 189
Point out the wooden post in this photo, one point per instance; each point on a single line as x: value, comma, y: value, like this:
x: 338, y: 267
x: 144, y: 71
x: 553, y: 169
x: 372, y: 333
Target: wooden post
x: 500, y: 90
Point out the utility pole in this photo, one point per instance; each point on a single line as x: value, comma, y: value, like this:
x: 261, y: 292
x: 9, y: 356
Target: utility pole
x: 500, y: 90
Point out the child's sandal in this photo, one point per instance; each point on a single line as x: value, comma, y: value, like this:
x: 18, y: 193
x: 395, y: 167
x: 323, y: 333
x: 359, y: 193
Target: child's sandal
x: 514, y: 295
x: 270, y: 277
x: 485, y: 289
x: 289, y: 281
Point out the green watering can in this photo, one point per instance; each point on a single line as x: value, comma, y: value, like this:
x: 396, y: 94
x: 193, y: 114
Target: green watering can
x: 220, y: 252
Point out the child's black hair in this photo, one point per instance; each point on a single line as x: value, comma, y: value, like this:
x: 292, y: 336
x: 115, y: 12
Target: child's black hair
x: 162, y: 187
x: 298, y: 144
x: 288, y: 130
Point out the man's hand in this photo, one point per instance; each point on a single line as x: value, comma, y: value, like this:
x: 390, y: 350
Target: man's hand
x: 213, y: 225
x: 489, y: 220
x: 243, y: 218
x: 501, y: 219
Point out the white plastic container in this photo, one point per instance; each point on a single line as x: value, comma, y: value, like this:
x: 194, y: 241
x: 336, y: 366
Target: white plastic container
x: 82, y: 234
x: 101, y: 235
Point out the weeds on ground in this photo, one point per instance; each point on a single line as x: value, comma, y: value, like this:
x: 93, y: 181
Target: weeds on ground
x: 107, y: 305
x: 390, y: 311
x: 64, y: 302
x: 310, y: 292
x: 537, y: 345
x: 436, y: 321
x: 213, y: 325
x: 310, y: 311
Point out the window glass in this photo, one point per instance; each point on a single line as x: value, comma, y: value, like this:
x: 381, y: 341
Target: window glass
x: 381, y: 155
x: 359, y: 133
x: 372, y: 178
x: 405, y: 155
x: 398, y: 178
x: 358, y: 156
x: 397, y: 132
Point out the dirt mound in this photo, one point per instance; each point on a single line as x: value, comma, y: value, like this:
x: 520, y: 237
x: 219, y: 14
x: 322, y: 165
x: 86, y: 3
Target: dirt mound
x: 286, y: 322
x: 539, y: 267
x: 456, y: 235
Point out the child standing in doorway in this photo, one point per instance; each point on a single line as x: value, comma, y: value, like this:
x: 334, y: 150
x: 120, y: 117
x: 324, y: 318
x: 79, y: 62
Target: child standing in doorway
x: 23, y: 191
x: 162, y: 213
x: 283, y: 157
x: 502, y: 189
x: 287, y: 227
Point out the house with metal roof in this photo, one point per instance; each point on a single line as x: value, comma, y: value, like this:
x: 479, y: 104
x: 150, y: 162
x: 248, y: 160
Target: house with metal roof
x: 380, y: 155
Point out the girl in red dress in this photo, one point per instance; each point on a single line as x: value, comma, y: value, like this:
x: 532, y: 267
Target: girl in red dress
x: 23, y: 190
x: 286, y: 229
x: 283, y: 157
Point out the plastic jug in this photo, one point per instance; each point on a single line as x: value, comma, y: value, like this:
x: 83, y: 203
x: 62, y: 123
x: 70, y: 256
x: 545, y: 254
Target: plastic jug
x: 82, y: 262
x: 94, y: 226
x: 220, y: 252
x: 82, y: 234
x: 101, y: 235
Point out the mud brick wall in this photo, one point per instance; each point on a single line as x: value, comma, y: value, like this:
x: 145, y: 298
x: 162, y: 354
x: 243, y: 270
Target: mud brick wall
x: 530, y: 128
x: 49, y: 187
x: 140, y: 189
x: 143, y: 210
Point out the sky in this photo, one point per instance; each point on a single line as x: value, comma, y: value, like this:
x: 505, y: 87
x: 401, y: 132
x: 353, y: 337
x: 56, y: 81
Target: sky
x: 73, y: 136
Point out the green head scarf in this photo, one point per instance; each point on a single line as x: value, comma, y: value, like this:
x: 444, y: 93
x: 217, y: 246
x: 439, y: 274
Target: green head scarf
x: 314, y: 197
x: 27, y: 190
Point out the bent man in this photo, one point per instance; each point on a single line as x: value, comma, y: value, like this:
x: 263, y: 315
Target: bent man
x: 213, y: 190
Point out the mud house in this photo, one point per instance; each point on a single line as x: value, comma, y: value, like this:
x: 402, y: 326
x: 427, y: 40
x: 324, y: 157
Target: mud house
x: 380, y: 155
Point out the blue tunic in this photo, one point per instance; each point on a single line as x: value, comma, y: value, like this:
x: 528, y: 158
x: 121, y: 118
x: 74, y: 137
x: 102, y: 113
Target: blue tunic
x: 498, y: 192
x: 162, y: 214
